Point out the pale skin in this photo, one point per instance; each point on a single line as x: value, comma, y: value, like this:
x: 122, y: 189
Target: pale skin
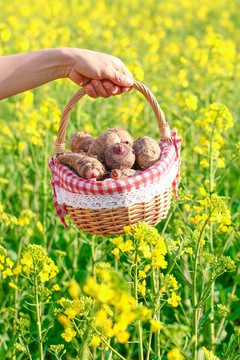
x: 104, y: 75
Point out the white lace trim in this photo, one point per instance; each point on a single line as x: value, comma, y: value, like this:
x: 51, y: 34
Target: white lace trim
x: 125, y: 199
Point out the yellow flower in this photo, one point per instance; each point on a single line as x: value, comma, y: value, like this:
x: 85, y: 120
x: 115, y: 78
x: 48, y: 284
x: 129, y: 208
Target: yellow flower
x: 209, y: 354
x: 17, y: 270
x: 174, y: 299
x: 180, y: 232
x: 146, y: 251
x: 204, y: 163
x: 222, y: 228
x: 68, y: 334
x: 70, y: 312
x: 197, y: 219
x: 55, y: 287
x: 198, y: 209
x: 147, y: 267
x: 118, y: 240
x: 126, y: 246
x: 91, y: 287
x: 192, y: 102
x: 122, y: 336
x: 101, y: 317
x: 187, y: 207
x: 202, y: 242
x: 95, y: 341
x: 198, y: 150
x: 108, y: 328
x: 202, y: 191
x: 155, y: 325
x: 158, y: 259
x: 44, y: 276
x: 175, y: 354
x: 7, y: 272
x: 21, y: 145
x: 107, y: 309
x: 221, y: 163
x: 191, y: 220
x: 162, y: 290
x: 142, y: 288
x: 105, y: 293
x: 39, y: 226
x: 9, y: 263
x: 116, y: 253
x: 64, y: 321
x: 204, y: 217
x: 26, y: 260
x: 188, y: 250
x: 127, y: 230
x: 26, y: 269
x: 141, y: 274
x: 12, y: 285
x: 74, y: 289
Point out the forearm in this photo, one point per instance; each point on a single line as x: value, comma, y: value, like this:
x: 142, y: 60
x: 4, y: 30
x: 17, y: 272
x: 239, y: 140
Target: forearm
x: 23, y: 72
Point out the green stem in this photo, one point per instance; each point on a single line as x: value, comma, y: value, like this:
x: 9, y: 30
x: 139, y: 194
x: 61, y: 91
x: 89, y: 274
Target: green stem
x: 28, y: 352
x: 211, y: 175
x: 39, y: 330
x: 224, y: 357
x: 194, y: 294
x: 45, y: 192
x: 139, y: 325
x: 157, y: 313
x: 149, y: 345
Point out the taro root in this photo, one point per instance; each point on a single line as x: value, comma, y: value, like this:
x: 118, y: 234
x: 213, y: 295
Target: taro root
x: 124, y: 135
x: 85, y: 166
x: 119, y: 156
x: 80, y: 141
x: 101, y: 143
x: 147, y: 152
x: 119, y: 174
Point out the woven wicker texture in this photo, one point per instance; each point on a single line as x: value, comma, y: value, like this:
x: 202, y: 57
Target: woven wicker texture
x: 107, y: 222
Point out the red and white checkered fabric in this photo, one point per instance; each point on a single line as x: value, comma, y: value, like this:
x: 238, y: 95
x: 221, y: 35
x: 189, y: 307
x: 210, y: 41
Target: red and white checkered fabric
x: 66, y: 179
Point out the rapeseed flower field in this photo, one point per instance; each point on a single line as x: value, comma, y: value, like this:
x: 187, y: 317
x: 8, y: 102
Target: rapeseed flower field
x: 165, y: 292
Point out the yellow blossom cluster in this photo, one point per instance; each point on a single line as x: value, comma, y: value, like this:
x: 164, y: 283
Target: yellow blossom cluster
x: 209, y: 355
x: 146, y: 249
x: 144, y: 244
x: 175, y: 354
x: 116, y: 308
x: 7, y: 267
x: 34, y: 263
x: 25, y: 219
x: 213, y: 122
x: 211, y: 209
x: 34, y: 260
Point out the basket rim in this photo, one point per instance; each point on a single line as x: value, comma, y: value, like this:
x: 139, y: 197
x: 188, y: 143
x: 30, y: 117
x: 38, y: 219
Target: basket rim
x: 68, y: 180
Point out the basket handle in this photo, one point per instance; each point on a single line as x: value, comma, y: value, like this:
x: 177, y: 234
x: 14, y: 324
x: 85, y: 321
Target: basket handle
x: 164, y: 130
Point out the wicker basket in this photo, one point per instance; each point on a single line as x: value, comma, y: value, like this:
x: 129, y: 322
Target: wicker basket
x: 112, y: 221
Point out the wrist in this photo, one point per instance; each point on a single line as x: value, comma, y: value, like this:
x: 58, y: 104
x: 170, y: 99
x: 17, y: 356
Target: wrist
x: 67, y: 60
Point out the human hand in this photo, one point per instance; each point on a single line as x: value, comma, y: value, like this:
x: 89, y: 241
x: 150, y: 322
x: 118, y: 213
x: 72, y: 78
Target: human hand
x: 104, y: 74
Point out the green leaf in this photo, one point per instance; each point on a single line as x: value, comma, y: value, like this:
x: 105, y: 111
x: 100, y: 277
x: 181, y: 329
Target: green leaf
x: 183, y: 278
x: 203, y: 318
